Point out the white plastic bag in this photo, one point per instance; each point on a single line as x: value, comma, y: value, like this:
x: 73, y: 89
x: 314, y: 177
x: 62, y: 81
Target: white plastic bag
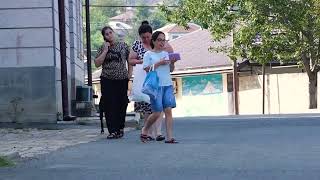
x: 139, y: 76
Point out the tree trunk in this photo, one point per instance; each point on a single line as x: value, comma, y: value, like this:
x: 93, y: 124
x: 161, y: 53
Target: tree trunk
x: 313, y: 90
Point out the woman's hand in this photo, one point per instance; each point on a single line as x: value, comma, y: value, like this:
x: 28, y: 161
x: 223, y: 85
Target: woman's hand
x: 172, y: 67
x: 138, y: 61
x: 163, y: 61
x: 103, y: 52
x: 134, y: 58
x: 106, y: 46
x: 134, y: 62
x: 173, y: 60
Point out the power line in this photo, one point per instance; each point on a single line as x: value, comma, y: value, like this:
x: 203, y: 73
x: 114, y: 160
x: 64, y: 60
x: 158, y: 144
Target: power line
x: 124, y: 6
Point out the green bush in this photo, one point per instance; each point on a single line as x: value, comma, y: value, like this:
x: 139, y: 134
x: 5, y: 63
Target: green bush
x: 4, y: 162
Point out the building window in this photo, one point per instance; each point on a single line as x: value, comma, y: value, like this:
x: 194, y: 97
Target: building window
x: 229, y: 82
x: 174, y: 82
x: 175, y: 36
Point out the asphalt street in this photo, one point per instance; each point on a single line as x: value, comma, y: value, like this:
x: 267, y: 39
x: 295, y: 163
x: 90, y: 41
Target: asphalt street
x: 220, y: 148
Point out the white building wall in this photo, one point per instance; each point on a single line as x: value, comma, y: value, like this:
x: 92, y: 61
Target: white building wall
x: 30, y: 66
x: 26, y: 34
x: 284, y: 93
x: 76, y: 48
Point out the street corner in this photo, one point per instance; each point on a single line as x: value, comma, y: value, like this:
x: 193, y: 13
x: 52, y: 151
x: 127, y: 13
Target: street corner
x: 31, y: 142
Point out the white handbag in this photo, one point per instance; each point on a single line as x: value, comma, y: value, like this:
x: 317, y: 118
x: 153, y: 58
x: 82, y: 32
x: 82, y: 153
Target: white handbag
x: 139, y: 75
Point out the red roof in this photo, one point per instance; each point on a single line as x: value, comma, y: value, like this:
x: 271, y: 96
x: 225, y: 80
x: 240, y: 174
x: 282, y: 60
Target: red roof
x: 193, y: 48
x: 124, y: 17
x: 174, y: 28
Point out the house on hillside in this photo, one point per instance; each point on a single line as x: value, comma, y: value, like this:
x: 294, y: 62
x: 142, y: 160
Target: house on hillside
x: 126, y: 17
x: 173, y: 31
x: 129, y: 14
x: 120, y: 28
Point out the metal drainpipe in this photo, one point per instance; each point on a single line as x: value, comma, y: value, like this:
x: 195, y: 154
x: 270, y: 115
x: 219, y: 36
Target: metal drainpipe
x: 263, y: 87
x: 235, y: 88
x: 64, y: 75
x: 88, y: 43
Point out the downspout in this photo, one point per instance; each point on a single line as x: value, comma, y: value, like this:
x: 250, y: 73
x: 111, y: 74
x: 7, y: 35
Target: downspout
x: 263, y: 87
x: 235, y: 88
x: 64, y: 75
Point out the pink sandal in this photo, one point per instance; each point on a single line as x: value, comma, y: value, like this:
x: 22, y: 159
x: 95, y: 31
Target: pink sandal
x: 144, y: 138
x: 171, y: 141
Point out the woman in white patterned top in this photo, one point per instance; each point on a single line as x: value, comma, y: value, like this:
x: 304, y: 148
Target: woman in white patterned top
x: 139, y: 48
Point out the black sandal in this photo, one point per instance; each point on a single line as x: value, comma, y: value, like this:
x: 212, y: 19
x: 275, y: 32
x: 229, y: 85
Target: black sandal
x: 150, y: 138
x: 171, y: 141
x: 112, y: 136
x: 144, y: 138
x: 160, y: 138
x: 121, y: 133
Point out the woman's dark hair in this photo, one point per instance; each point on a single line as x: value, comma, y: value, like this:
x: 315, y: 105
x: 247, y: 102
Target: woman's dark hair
x: 145, y: 22
x: 104, y: 29
x: 154, y: 37
x: 144, y: 28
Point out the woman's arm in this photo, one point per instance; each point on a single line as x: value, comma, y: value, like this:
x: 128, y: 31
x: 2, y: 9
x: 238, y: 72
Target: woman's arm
x: 100, y: 59
x: 162, y: 61
x: 102, y: 54
x: 130, y: 70
x: 168, y: 48
x: 134, y: 59
x: 172, y: 66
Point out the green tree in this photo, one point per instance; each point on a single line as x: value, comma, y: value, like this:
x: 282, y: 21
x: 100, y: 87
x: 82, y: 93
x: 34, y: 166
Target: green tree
x: 154, y: 16
x: 113, y: 10
x: 99, y: 17
x: 97, y: 21
x: 262, y: 30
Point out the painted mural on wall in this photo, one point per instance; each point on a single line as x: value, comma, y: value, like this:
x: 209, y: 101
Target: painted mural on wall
x: 202, y: 85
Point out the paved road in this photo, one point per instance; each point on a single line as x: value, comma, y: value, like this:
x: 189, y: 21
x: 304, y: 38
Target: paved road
x: 285, y: 148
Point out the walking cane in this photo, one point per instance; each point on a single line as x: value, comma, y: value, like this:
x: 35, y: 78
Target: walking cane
x: 101, y: 115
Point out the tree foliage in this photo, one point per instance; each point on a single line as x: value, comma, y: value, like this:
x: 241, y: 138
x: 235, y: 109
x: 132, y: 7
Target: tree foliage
x: 262, y: 30
x: 154, y: 16
x: 287, y: 28
x: 99, y: 17
x: 112, y: 10
x: 97, y: 20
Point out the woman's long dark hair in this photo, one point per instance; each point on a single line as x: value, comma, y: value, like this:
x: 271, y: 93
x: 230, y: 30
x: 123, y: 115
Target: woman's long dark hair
x: 144, y: 28
x: 154, y: 37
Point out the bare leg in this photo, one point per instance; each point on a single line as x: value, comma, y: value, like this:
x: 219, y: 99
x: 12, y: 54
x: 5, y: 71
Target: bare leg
x: 146, y: 116
x: 152, y: 130
x: 151, y: 119
x: 157, y: 125
x: 169, y: 122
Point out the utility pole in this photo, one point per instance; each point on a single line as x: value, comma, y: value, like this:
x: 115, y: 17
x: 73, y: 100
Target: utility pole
x: 235, y: 81
x: 87, y: 5
x: 64, y: 75
x: 263, y: 86
x: 235, y: 88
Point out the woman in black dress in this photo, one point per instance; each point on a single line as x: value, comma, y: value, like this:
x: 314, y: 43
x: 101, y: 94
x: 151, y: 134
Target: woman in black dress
x: 113, y: 57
